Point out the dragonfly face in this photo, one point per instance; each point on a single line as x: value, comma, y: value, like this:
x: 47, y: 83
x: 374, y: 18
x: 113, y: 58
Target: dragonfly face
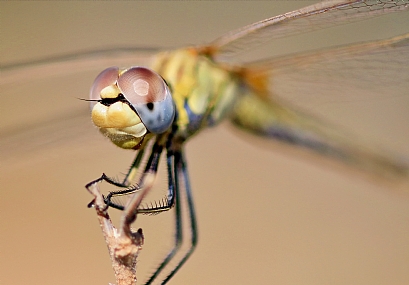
x: 126, y: 104
x: 322, y: 217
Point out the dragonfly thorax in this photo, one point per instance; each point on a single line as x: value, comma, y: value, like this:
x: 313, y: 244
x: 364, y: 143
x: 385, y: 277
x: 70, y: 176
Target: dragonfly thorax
x: 204, y: 92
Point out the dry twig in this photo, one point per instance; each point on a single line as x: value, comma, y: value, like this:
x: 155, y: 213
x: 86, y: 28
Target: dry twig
x: 123, y: 244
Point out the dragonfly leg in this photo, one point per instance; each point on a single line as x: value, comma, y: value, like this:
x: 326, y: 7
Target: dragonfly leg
x: 151, y: 167
x: 178, y: 181
x: 103, y: 177
x: 125, y: 183
x: 178, y: 172
x: 182, y: 173
x: 133, y: 169
x: 130, y: 173
x: 107, y: 199
x: 167, y: 203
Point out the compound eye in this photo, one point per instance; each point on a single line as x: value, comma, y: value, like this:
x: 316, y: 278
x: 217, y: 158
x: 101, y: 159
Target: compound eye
x: 104, y: 79
x: 150, y: 96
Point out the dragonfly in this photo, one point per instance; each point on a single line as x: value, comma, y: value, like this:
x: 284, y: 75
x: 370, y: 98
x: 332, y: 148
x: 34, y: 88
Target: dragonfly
x: 250, y: 94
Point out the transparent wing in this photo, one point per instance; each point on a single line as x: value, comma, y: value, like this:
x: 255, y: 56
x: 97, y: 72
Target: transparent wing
x: 351, y: 102
x: 318, y: 16
x: 65, y: 65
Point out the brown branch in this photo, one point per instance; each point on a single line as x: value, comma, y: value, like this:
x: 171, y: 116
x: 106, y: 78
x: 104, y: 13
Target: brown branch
x: 123, y: 245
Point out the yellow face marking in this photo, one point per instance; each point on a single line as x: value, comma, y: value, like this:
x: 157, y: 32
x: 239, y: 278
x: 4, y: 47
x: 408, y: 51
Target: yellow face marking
x: 118, y: 121
x: 117, y: 115
x: 110, y: 91
x: 120, y: 124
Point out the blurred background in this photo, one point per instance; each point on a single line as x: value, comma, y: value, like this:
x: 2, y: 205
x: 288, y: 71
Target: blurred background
x: 266, y: 215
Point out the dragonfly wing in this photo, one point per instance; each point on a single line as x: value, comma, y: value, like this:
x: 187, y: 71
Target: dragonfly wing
x: 318, y: 16
x: 331, y: 84
x: 64, y: 65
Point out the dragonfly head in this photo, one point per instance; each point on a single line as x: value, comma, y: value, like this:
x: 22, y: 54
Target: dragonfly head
x: 128, y: 104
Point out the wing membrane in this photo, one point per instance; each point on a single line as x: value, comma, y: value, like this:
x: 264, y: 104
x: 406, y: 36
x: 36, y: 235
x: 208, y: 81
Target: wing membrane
x: 368, y: 71
x: 318, y: 16
x: 67, y: 64
x: 349, y: 80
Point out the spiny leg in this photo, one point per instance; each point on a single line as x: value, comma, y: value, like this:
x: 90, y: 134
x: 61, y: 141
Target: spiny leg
x: 151, y: 167
x: 178, y: 172
x: 133, y: 169
x: 146, y: 183
x: 182, y: 173
x: 173, y: 187
x: 172, y: 184
x: 129, y: 175
x: 125, y: 183
x: 171, y: 196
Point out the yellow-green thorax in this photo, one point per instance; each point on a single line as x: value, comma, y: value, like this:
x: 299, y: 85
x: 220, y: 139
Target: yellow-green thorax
x: 203, y: 91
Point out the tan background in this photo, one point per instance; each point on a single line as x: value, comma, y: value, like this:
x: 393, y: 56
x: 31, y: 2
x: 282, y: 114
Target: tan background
x: 266, y: 216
